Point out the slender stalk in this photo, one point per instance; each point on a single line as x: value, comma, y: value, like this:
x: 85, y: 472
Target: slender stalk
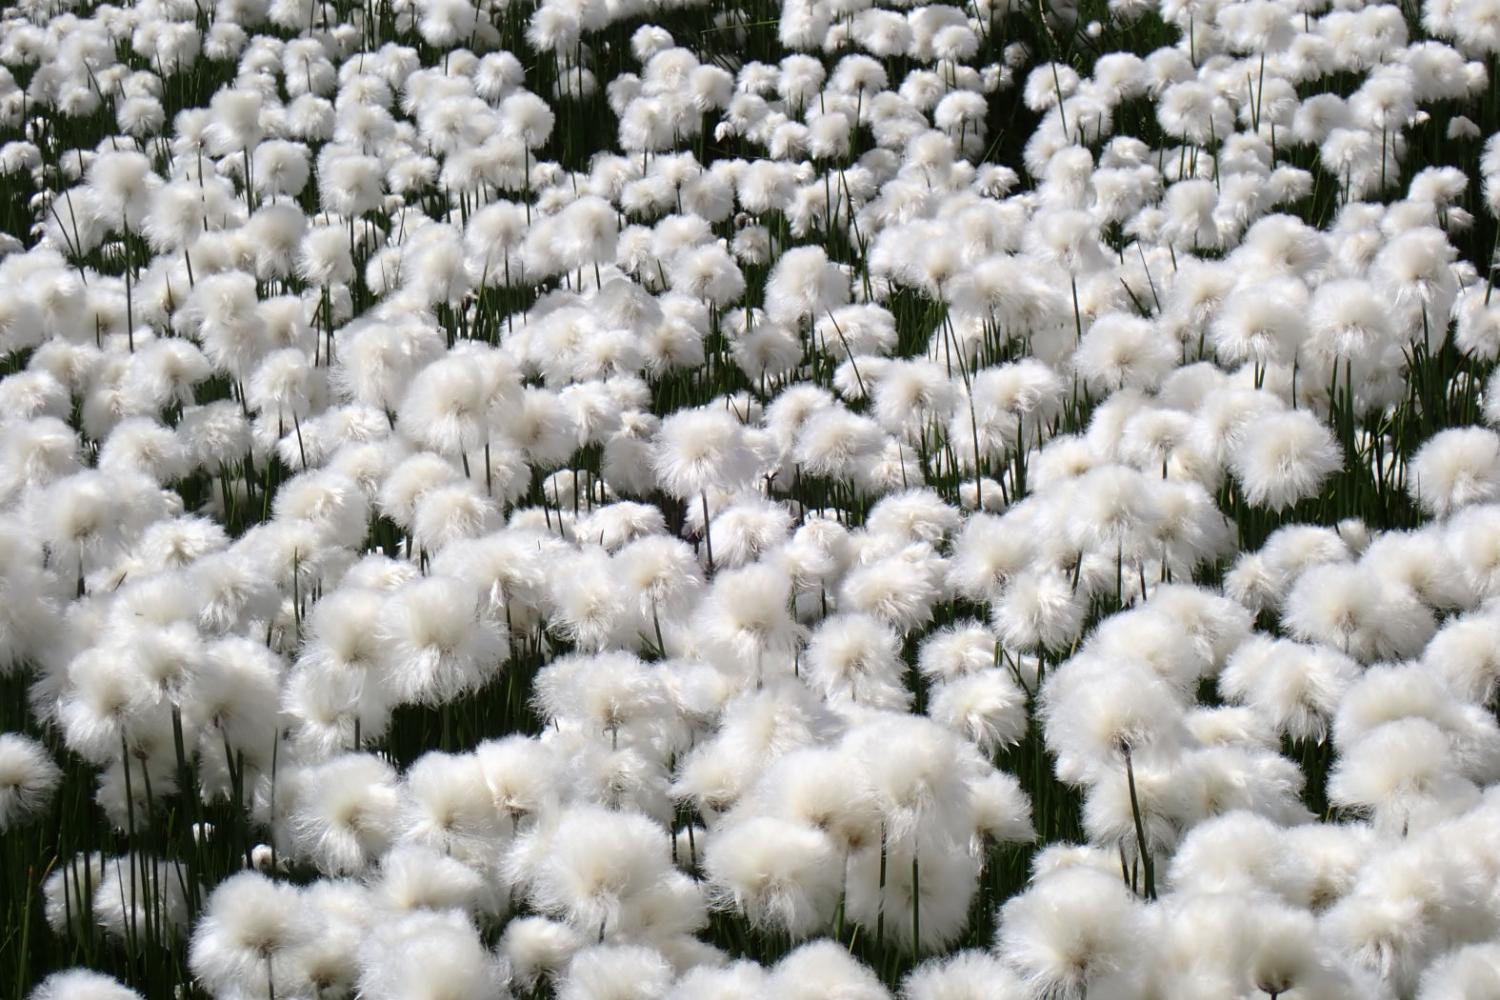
x: 708, y: 540
x: 1148, y: 868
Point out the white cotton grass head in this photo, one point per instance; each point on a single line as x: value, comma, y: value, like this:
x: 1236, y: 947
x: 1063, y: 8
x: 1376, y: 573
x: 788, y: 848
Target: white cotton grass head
x: 30, y: 612
x: 615, y: 972
x: 1123, y: 351
x: 810, y: 787
x: 1402, y: 775
x: 915, y: 770
x: 339, y: 910
x: 1455, y: 468
x: 1037, y: 610
x: 1216, y: 625
x: 1343, y: 606
x: 1295, y: 688
x: 537, y: 949
x: 1074, y: 931
x: 332, y: 505
x: 28, y: 778
x: 623, y: 778
x: 67, y: 890
x: 834, y: 442
x: 35, y: 394
x: 669, y: 914
x: 618, y: 524
x: 407, y: 482
x: 1001, y: 810
x: 346, y: 814
x: 1111, y: 511
x: 781, y: 874
x: 747, y: 529
x: 80, y: 520
x: 964, y: 975
x: 453, y: 513
x: 82, y: 984
x: 986, y: 554
x: 587, y: 604
x: 1287, y: 552
x: 1492, y: 401
x: 1472, y: 540
x: 527, y: 117
x: 745, y: 614
x: 1266, y: 326
x: 857, y: 657
x: 917, y: 515
x: 341, y: 624
x: 1224, y: 778
x: 1388, y: 693
x: 756, y: 727
x: 1286, y: 459
x: 1397, y: 911
x: 909, y: 395
x: 1237, y: 852
x: 1419, y: 562
x: 957, y: 650
x: 446, y: 406
x: 595, y: 863
x: 1347, y: 322
x: 249, y: 922
x: 235, y: 690
x: 662, y: 573
x: 519, y: 774
x: 699, y: 449
x: 805, y: 284
x: 820, y: 969
x: 739, y: 980
x: 102, y: 702
x: 507, y: 567
x: 428, y: 956
x: 1463, y: 652
x: 436, y: 643
x: 988, y: 708
x: 413, y: 877
x: 608, y: 694
x: 902, y: 588
x: 1470, y: 970
x: 446, y: 806
x: 1095, y: 711
x: 323, y: 257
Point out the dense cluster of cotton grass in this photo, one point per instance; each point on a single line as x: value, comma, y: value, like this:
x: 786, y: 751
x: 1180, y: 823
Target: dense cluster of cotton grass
x: 617, y: 500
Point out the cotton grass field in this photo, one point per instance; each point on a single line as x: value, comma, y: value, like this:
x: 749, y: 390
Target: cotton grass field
x: 708, y: 500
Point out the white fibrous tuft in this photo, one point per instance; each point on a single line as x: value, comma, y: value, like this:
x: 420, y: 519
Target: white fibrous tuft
x: 1343, y: 607
x: 1073, y: 932
x: 436, y: 642
x: 28, y: 779
x: 1456, y: 468
x: 428, y: 955
x: 345, y: 816
x: 249, y: 922
x: 779, y: 873
x: 81, y: 984
x: 1284, y: 460
x: 823, y: 968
